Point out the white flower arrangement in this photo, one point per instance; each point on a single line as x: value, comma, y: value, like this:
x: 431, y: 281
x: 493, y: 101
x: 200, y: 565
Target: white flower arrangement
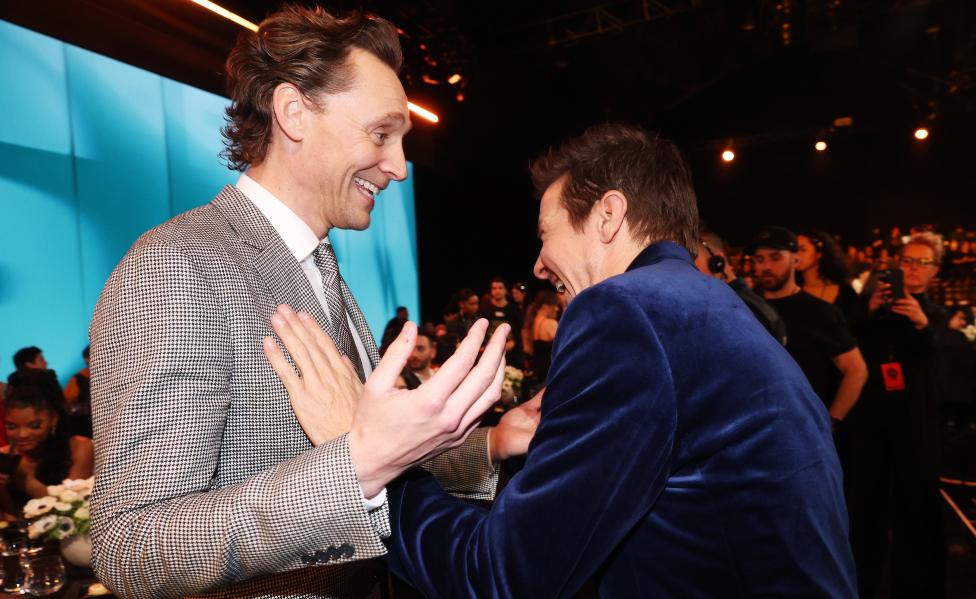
x: 970, y: 332
x: 64, y: 513
x: 512, y: 385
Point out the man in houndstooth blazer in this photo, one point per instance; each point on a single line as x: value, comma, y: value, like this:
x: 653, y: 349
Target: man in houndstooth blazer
x: 205, y: 480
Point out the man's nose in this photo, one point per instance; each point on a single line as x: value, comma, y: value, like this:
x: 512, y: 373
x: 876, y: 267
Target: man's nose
x: 394, y: 163
x: 539, y: 269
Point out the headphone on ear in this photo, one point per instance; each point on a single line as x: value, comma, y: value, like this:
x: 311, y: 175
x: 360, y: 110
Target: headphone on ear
x: 716, y: 262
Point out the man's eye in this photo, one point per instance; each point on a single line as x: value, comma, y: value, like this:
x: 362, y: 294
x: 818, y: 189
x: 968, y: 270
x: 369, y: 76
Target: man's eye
x: 380, y: 136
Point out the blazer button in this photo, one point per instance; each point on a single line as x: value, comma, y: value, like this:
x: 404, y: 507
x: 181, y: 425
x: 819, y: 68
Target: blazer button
x: 309, y: 559
x: 347, y: 550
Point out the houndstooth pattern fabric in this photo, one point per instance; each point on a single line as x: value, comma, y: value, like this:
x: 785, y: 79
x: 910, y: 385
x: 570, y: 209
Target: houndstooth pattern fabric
x: 338, y: 327
x: 204, y: 479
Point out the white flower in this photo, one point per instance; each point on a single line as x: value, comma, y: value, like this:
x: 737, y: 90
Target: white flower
x: 42, y: 526
x: 79, y: 485
x: 62, y: 506
x: 70, y: 496
x: 970, y: 332
x: 83, y: 513
x: 66, y: 527
x: 38, y: 507
x: 55, y: 490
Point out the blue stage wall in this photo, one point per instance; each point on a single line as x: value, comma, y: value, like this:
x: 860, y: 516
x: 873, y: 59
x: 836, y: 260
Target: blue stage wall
x: 93, y: 152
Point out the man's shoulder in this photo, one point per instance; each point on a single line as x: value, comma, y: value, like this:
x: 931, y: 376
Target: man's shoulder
x: 201, y: 229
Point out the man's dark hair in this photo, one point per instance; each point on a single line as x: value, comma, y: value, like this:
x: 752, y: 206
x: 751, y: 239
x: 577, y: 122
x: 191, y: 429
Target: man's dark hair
x: 649, y: 170
x: 25, y: 355
x: 85, y: 353
x: 497, y: 280
x: 306, y: 47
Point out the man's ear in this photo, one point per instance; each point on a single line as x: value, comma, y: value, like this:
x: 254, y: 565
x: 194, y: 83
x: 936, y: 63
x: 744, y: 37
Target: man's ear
x: 289, y: 109
x: 610, y: 212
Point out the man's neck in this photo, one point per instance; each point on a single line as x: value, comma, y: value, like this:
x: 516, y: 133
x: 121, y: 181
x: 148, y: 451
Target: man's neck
x: 791, y: 288
x: 499, y: 303
x: 274, y: 177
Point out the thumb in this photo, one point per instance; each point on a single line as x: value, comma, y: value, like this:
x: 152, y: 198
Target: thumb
x: 395, y: 359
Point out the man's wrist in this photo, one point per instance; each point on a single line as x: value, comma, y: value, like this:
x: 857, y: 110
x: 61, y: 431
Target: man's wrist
x: 369, y: 475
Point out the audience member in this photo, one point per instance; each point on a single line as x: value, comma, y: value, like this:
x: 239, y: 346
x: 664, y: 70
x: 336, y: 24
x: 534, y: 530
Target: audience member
x: 823, y: 272
x: 34, y: 421
x: 818, y: 337
x: 713, y: 262
x: 498, y: 310
x: 77, y: 399
x: 894, y: 483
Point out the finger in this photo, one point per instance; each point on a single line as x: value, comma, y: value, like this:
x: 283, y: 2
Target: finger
x: 350, y: 366
x: 292, y: 334
x: 482, y: 387
x: 281, y: 366
x: 393, y: 362
x: 322, y: 340
x: 454, y: 370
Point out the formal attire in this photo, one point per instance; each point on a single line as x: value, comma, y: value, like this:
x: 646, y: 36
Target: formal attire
x: 204, y: 480
x: 681, y: 453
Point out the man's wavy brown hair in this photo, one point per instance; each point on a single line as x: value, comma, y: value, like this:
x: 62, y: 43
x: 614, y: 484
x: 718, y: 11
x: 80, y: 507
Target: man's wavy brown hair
x: 649, y: 170
x: 306, y: 47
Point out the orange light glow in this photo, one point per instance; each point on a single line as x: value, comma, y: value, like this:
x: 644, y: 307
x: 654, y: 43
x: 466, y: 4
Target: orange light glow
x: 820, y: 146
x: 423, y: 112
x: 921, y: 133
x: 728, y: 156
x: 226, y: 14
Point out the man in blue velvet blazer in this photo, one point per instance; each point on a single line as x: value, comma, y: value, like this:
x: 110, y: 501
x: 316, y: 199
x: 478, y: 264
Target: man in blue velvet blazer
x: 681, y: 451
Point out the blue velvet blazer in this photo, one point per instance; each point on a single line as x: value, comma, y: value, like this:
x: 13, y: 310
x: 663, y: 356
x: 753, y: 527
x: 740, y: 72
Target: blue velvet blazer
x: 681, y: 453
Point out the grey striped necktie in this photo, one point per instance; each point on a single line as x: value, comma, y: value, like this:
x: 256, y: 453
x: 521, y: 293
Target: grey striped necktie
x: 338, y: 327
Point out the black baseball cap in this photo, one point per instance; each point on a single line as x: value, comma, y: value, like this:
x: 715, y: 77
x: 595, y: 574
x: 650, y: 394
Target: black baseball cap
x: 773, y: 237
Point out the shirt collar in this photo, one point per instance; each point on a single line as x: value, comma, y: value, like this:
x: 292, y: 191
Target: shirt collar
x: 658, y: 251
x: 298, y: 236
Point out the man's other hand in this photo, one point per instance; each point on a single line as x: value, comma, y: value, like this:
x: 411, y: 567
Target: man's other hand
x: 515, y: 430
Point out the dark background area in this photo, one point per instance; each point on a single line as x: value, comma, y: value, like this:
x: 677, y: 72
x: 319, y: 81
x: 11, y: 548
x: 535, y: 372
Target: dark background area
x: 766, y: 77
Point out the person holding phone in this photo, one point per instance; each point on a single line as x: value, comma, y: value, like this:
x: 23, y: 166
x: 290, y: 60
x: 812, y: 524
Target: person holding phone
x: 895, y: 473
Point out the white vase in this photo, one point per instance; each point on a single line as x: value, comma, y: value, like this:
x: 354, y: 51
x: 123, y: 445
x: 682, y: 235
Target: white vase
x: 77, y: 550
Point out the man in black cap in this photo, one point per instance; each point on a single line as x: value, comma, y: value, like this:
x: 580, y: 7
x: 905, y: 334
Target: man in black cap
x: 817, y: 334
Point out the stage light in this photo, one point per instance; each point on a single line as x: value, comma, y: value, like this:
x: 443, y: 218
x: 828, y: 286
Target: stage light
x: 423, y: 112
x: 453, y: 79
x: 226, y: 14
x: 921, y: 133
x: 820, y: 146
x: 728, y: 156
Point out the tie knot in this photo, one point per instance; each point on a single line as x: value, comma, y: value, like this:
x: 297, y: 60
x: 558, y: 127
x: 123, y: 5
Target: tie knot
x: 325, y: 257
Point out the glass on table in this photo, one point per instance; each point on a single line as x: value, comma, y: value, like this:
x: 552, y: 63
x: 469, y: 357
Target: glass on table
x: 44, y: 575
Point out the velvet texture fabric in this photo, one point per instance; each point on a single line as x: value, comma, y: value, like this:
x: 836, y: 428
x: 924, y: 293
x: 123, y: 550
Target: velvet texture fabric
x: 681, y: 453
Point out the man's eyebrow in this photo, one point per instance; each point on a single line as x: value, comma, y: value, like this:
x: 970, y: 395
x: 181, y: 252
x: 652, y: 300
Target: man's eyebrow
x: 396, y: 117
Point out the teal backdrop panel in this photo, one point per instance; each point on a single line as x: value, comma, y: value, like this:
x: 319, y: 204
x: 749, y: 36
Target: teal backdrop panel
x: 93, y: 152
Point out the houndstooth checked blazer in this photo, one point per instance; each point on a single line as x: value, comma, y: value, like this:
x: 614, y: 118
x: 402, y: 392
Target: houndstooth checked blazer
x: 204, y: 480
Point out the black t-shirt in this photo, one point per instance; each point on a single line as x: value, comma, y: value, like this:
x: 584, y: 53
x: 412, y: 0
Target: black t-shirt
x: 816, y: 332
x: 509, y: 313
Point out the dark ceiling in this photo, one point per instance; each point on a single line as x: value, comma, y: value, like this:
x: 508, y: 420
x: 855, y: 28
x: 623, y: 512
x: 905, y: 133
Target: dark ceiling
x: 768, y: 76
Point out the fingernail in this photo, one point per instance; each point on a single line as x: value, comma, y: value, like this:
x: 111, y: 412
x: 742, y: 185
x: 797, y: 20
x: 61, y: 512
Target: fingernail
x: 305, y: 316
x: 285, y: 309
x: 277, y: 320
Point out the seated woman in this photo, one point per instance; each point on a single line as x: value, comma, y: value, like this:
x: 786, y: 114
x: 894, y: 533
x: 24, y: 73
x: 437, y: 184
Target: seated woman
x: 34, y: 422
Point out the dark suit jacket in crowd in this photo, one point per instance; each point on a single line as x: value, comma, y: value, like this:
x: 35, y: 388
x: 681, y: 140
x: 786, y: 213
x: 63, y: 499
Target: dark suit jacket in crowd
x: 681, y: 453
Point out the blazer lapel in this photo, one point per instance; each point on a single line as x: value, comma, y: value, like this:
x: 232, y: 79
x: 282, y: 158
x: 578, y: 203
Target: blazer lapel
x: 273, y: 261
